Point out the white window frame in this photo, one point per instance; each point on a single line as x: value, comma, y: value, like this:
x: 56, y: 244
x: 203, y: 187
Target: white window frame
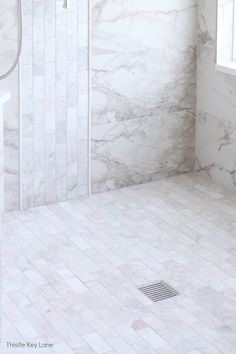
x: 228, y: 65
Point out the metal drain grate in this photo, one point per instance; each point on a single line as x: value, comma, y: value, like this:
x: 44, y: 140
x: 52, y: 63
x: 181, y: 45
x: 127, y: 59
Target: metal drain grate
x: 158, y: 291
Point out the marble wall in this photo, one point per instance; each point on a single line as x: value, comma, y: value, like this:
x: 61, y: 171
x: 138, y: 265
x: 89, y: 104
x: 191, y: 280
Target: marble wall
x: 216, y: 105
x: 143, y: 97
x: 143, y: 90
x: 54, y: 101
x: 46, y: 136
x: 8, y: 48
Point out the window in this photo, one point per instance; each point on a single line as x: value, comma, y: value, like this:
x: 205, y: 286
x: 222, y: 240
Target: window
x: 226, y: 37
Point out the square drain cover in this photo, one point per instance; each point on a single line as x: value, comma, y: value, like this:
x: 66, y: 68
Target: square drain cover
x: 158, y: 291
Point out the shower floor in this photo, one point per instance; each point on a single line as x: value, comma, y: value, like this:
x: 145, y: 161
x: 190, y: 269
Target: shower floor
x: 71, y: 271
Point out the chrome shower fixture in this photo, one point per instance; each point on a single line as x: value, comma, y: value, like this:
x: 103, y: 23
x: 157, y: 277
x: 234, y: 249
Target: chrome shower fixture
x: 65, y: 4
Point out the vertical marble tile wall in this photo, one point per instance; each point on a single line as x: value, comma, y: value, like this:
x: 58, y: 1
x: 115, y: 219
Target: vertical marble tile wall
x: 8, y: 48
x: 216, y: 109
x: 143, y: 90
x: 54, y: 99
x: 1, y: 167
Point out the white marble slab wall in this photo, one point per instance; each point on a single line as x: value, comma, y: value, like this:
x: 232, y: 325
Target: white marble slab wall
x: 8, y: 47
x: 216, y: 109
x: 143, y: 90
x: 54, y: 97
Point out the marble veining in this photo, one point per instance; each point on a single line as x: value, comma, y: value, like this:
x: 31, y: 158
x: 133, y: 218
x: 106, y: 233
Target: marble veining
x: 143, y: 98
x: 143, y: 91
x: 216, y: 107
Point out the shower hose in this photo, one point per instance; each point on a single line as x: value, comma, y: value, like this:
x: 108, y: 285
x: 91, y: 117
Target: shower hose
x: 19, y: 21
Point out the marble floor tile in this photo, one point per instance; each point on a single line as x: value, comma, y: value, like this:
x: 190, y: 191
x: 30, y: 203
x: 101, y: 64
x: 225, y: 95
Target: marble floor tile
x: 71, y: 271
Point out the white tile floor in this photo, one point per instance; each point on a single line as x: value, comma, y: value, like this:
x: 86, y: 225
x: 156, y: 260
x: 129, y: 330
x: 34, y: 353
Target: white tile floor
x: 71, y: 271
